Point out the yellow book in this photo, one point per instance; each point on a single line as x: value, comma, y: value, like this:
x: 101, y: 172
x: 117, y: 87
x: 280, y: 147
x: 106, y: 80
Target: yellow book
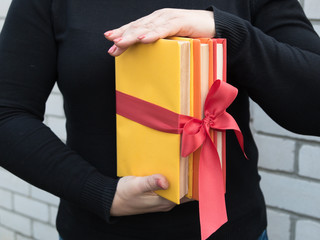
x: 160, y: 74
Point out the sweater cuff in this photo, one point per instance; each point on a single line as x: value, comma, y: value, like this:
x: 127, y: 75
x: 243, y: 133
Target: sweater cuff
x: 232, y: 28
x: 98, y: 193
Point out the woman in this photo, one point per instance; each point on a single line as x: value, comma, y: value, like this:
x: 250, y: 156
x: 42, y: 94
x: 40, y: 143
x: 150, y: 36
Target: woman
x: 273, y: 55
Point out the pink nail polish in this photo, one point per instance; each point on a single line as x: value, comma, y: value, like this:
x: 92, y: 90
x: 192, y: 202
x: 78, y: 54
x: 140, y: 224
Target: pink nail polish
x: 117, y: 40
x: 159, y: 184
x: 142, y: 37
x: 108, y: 33
x: 112, y: 49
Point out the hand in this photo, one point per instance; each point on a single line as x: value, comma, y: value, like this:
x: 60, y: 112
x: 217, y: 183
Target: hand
x: 135, y: 195
x: 161, y: 24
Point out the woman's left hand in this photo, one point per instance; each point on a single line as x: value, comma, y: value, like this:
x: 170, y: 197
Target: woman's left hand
x: 161, y: 24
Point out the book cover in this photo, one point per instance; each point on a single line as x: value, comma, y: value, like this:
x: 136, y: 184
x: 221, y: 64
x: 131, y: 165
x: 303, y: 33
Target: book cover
x: 158, y: 73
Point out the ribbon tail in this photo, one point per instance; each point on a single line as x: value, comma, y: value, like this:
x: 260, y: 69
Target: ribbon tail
x: 227, y: 122
x: 212, y: 205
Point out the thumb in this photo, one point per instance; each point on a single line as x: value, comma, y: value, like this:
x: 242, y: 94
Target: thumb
x: 153, y: 183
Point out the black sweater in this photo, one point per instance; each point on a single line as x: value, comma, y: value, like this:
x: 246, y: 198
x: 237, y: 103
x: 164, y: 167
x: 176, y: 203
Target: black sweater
x: 273, y: 57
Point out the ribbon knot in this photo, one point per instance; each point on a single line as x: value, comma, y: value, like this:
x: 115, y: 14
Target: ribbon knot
x: 208, y: 121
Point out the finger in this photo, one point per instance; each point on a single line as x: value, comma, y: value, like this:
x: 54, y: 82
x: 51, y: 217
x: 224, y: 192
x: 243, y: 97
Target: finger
x: 153, y: 36
x: 147, y: 29
x: 185, y: 200
x: 119, y: 51
x: 164, y: 206
x: 116, y: 51
x: 121, y: 45
x: 119, y: 32
x: 113, y: 34
x: 153, y: 183
x: 116, y: 33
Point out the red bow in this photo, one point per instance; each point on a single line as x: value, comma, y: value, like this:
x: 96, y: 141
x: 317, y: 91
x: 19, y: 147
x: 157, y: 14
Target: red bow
x: 196, y: 133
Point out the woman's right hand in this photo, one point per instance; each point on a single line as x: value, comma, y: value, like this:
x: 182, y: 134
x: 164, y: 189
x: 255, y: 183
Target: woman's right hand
x: 135, y: 195
x: 161, y: 24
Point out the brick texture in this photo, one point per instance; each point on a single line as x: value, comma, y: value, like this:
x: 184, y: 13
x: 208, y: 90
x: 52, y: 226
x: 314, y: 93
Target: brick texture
x: 15, y: 222
x: 31, y: 208
x: 5, y: 199
x: 276, y: 153
x: 317, y: 29
x: 43, y: 196
x: 57, y: 125
x: 54, y: 106
x: 6, y: 234
x: 309, y: 161
x: 306, y: 229
x: 312, y: 9
x: 4, y: 6
x: 1, y: 23
x: 289, y: 193
x: 43, y: 231
x: 279, y: 225
x: 12, y: 183
x: 19, y: 237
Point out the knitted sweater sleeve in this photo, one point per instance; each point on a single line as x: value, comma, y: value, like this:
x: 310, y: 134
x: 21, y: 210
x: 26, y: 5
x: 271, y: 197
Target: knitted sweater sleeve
x: 275, y: 57
x: 28, y: 148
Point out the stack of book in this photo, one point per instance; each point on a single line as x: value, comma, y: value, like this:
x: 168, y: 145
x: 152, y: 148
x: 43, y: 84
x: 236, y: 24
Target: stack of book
x: 175, y: 74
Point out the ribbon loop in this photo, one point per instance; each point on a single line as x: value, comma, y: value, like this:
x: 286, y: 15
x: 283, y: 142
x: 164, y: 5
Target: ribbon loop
x: 219, y: 98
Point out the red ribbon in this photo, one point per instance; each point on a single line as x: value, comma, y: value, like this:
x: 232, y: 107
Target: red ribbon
x: 195, y: 133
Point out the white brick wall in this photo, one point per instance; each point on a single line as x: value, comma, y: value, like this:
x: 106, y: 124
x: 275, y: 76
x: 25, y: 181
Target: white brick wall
x: 4, y: 6
x: 54, y: 105
x: 307, y: 229
x: 279, y: 225
x: 15, y: 222
x: 1, y: 23
x: 317, y: 29
x: 12, y: 183
x: 19, y: 237
x: 273, y: 150
x: 309, y: 161
x: 289, y: 165
x: 43, y: 196
x: 6, y: 199
x: 289, y: 193
x: 44, y: 231
x: 31, y: 208
x: 57, y: 125
x: 312, y: 9
x: 6, y: 234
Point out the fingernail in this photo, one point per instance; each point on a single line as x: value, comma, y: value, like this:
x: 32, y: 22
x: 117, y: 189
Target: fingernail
x: 117, y: 40
x: 108, y: 33
x: 112, y: 49
x: 162, y: 184
x: 159, y: 184
x: 142, y: 37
